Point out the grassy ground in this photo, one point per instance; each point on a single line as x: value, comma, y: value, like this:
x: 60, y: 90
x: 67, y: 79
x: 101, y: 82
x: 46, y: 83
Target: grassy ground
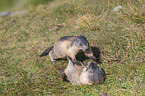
x: 119, y: 35
x: 9, y: 5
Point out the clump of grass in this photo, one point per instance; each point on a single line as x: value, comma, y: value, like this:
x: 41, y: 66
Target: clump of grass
x: 88, y: 21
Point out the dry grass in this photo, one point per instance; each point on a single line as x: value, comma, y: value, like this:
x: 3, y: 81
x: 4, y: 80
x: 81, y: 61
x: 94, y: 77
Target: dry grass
x: 88, y: 21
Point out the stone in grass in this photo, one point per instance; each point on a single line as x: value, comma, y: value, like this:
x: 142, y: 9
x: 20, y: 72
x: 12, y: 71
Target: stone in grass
x: 117, y: 8
x: 9, y: 13
x: 6, y: 13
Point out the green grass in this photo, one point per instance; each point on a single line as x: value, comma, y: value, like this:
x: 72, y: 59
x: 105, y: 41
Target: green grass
x: 119, y: 35
x: 16, y: 5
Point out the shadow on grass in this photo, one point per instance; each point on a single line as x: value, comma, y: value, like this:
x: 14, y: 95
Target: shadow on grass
x: 96, y: 52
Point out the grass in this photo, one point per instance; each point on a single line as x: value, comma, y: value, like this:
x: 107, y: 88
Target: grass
x: 119, y: 35
x: 16, y: 5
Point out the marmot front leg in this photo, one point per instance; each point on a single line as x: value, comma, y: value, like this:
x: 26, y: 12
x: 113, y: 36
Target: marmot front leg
x: 89, y: 53
x: 76, y: 61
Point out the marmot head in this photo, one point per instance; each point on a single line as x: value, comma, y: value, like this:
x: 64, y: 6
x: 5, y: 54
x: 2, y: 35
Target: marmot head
x: 91, y: 67
x: 82, y: 43
x: 91, y: 74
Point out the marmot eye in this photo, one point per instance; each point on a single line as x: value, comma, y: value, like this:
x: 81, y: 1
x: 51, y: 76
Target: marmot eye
x: 81, y: 44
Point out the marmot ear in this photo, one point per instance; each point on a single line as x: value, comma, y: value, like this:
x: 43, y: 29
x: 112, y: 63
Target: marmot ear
x: 95, y: 66
x: 92, y: 65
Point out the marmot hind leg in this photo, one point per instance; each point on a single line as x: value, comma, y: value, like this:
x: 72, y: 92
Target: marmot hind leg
x: 52, y: 57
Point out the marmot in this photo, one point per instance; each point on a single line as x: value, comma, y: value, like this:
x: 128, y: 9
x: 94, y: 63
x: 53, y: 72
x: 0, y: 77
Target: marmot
x: 69, y: 46
x: 79, y: 74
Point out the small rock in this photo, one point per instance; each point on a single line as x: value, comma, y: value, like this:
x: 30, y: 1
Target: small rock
x: 117, y: 8
x: 100, y: 16
x: 6, y: 13
x: 9, y: 13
